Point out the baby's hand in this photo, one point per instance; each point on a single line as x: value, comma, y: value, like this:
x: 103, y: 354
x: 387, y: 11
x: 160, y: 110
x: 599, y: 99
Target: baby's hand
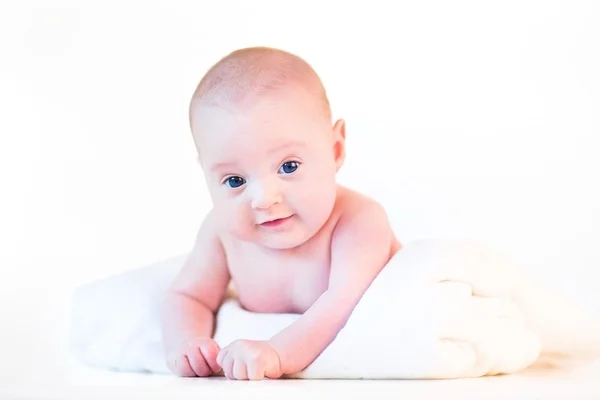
x: 250, y: 359
x: 197, y: 357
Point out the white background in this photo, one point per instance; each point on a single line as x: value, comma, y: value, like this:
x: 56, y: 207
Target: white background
x: 475, y: 120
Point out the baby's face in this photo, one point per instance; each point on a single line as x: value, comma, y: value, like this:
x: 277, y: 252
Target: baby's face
x: 271, y: 169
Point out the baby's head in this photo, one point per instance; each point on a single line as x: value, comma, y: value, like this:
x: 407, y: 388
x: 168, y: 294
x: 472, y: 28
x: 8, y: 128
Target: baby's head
x: 262, y: 126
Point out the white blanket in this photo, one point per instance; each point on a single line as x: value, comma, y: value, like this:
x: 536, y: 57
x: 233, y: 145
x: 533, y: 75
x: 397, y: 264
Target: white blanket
x: 439, y: 309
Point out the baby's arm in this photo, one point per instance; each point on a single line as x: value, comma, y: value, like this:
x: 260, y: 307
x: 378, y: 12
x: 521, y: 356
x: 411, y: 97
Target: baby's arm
x: 361, y: 246
x: 191, y: 303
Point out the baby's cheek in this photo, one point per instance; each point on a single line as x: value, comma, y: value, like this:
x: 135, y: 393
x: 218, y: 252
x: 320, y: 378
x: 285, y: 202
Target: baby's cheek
x: 315, y: 204
x: 235, y: 219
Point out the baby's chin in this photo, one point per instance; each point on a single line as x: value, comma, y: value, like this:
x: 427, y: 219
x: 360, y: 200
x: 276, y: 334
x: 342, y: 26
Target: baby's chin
x: 280, y: 243
x: 281, y: 240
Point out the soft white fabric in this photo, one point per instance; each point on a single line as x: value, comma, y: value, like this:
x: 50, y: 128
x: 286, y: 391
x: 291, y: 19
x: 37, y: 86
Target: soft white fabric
x: 439, y: 309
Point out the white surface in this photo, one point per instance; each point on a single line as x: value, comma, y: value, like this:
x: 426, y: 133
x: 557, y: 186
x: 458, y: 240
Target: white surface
x: 86, y: 383
x: 467, y: 119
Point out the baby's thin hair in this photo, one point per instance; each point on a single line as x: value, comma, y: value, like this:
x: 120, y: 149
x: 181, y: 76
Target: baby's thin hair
x: 249, y: 73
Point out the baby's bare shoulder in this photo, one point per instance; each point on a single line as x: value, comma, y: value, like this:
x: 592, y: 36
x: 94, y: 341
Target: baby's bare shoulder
x: 361, y: 216
x: 362, y: 242
x: 353, y: 204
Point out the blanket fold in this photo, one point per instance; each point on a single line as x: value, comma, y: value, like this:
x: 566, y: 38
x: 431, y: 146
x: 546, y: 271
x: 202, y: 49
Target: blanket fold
x: 440, y: 309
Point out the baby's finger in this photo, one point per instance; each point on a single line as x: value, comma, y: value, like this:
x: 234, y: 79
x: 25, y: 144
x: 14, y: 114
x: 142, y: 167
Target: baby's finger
x: 255, y: 372
x: 227, y: 364
x: 221, y: 356
x: 210, y: 351
x: 198, y: 363
x: 239, y: 369
x: 183, y: 367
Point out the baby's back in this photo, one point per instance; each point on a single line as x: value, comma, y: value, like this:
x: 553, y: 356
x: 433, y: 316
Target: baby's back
x: 288, y: 281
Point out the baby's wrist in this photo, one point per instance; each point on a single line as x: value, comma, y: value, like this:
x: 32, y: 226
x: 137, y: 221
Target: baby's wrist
x: 279, y: 354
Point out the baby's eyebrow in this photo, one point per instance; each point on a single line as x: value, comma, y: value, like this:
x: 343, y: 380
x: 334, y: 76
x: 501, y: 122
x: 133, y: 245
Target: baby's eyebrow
x: 286, y: 145
x: 221, y: 165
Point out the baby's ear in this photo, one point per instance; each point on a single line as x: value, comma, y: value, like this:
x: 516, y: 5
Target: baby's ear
x: 339, y: 143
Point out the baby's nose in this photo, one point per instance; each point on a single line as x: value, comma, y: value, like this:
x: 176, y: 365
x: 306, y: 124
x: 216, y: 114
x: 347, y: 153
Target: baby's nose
x: 265, y: 195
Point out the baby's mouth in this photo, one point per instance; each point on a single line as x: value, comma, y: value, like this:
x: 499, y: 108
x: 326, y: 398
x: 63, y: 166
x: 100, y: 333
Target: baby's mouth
x: 275, y: 222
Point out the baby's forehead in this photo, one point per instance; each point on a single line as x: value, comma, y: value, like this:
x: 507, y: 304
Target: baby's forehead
x: 291, y: 110
x: 291, y: 101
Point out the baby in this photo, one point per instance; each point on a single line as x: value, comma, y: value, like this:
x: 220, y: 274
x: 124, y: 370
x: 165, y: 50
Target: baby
x: 281, y: 230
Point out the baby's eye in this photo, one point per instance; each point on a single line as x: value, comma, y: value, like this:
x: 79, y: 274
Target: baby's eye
x: 289, y: 167
x: 234, y: 181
